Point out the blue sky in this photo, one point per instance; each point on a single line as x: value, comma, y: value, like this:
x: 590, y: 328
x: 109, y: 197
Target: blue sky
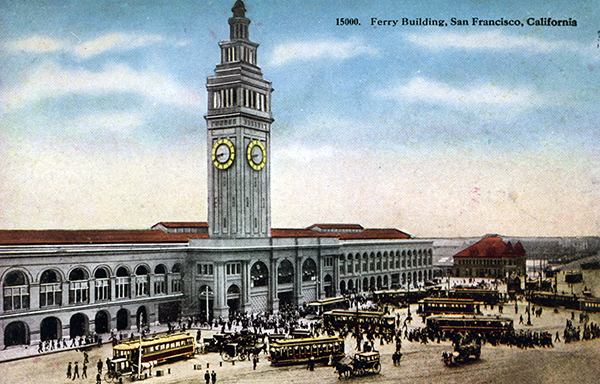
x: 438, y: 131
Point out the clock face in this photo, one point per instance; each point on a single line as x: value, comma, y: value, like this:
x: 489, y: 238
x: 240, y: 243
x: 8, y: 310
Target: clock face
x: 257, y: 155
x: 223, y: 154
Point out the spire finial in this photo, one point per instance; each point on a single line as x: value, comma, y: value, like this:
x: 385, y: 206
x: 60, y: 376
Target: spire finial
x: 239, y: 9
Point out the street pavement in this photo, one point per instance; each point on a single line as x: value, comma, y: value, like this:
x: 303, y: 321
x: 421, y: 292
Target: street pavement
x: 421, y: 363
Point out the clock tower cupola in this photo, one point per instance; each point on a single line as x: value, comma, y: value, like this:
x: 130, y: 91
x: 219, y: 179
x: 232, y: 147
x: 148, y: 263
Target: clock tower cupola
x: 239, y: 127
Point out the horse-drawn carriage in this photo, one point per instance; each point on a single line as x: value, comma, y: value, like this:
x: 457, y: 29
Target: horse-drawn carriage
x: 362, y: 364
x: 241, y: 345
x: 462, y: 353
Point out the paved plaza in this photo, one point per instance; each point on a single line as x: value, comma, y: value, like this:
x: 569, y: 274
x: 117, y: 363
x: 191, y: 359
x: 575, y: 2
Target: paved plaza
x: 421, y: 363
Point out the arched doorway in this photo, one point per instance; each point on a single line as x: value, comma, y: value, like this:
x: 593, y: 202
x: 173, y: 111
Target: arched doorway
x: 122, y: 319
x: 233, y: 298
x: 206, y: 303
x: 328, y: 286
x: 50, y: 329
x: 350, y: 286
x: 342, y: 287
x: 372, y: 283
x: 102, y: 322
x: 365, y: 284
x: 78, y: 326
x: 141, y: 318
x: 378, y: 282
x: 16, y: 333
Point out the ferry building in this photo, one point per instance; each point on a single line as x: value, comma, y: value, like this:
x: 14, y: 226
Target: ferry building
x: 63, y: 284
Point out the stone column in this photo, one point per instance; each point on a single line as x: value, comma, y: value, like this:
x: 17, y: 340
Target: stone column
x: 220, y: 307
x: 273, y: 282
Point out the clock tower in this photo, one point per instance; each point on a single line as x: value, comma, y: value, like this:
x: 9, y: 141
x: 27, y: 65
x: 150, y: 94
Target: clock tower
x: 239, y: 126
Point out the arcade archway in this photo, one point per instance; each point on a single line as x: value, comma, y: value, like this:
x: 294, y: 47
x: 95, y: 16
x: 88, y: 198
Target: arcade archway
x: 122, y: 319
x: 50, y: 329
x: 102, y: 322
x: 16, y: 333
x: 78, y: 326
x: 233, y: 298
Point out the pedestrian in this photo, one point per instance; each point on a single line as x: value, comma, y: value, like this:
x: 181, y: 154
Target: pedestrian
x: 557, y: 337
x: 84, y: 371
x: 40, y: 347
x: 207, y: 377
x: 85, y: 357
x: 254, y: 362
x: 99, y: 366
x: 213, y: 377
x: 75, y: 371
x: 69, y: 370
x: 98, y: 379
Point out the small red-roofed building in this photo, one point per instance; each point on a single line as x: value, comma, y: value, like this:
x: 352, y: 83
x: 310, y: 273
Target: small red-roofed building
x: 491, y: 257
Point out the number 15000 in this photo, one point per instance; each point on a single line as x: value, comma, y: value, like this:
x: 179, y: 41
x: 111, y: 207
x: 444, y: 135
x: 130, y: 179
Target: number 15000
x: 346, y: 21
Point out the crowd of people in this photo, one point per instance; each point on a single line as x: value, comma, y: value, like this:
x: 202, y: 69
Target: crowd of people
x: 74, y: 342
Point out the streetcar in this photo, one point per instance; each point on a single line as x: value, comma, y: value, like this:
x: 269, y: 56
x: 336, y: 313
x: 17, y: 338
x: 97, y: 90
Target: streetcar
x: 475, y: 323
x: 154, y: 350
x: 317, y: 308
x: 398, y: 298
x: 339, y: 319
x: 299, y: 351
x: 589, y: 304
x: 488, y: 296
x: 430, y: 306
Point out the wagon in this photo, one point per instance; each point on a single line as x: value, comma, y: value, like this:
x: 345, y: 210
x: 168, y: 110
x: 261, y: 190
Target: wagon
x: 232, y: 351
x: 362, y: 364
x: 462, y: 353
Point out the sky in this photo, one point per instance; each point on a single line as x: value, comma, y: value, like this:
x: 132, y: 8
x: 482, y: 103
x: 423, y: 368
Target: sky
x: 454, y: 130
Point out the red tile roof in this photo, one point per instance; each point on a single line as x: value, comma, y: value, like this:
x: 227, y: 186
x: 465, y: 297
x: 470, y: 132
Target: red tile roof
x: 365, y: 234
x: 51, y: 237
x: 492, y: 247
x: 337, y: 226
x: 182, y: 224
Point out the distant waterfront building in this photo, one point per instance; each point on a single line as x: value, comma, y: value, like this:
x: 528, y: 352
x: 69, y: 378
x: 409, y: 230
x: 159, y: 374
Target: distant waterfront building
x: 64, y: 284
x: 491, y: 257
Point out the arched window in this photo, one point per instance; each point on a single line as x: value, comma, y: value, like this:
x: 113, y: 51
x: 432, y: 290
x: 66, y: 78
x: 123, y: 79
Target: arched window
x: 50, y: 289
x: 16, y: 291
x: 285, y: 272
x: 78, y: 286
x: 160, y: 280
x: 176, y: 279
x: 102, y: 284
x: 309, y: 270
x: 122, y: 283
x: 259, y: 274
x: 141, y: 281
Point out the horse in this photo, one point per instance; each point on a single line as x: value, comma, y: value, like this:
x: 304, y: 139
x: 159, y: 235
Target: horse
x: 343, y: 370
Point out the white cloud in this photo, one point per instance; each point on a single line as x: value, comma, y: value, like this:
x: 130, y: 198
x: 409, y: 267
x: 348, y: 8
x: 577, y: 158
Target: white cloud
x: 110, y: 122
x: 115, y: 42
x: 38, y: 44
x: 51, y: 80
x: 424, y: 90
x: 303, y: 154
x: 323, y: 49
x: 490, y: 40
x: 118, y: 42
